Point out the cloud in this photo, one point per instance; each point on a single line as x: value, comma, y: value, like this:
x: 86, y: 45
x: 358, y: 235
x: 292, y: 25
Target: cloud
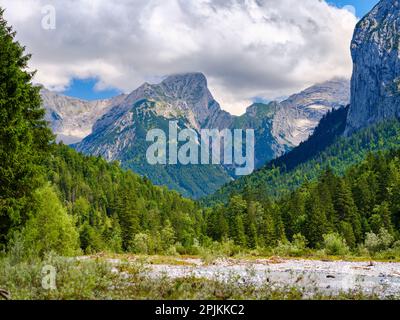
x: 246, y: 48
x: 351, y: 9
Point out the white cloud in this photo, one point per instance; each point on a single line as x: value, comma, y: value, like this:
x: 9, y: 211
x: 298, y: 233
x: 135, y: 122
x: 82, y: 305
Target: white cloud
x: 246, y: 48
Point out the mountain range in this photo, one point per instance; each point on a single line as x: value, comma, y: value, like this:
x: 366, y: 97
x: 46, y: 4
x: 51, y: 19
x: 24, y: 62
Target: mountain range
x: 116, y: 128
x: 345, y: 137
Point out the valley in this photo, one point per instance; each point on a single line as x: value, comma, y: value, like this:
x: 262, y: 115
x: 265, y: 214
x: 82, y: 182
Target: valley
x: 317, y: 218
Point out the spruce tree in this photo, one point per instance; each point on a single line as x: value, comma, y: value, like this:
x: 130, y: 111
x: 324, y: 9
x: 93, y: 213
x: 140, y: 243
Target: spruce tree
x: 317, y: 224
x: 24, y: 136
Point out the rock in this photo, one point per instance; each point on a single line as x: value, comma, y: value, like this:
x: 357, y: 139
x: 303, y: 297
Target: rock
x: 298, y: 116
x: 73, y: 119
x: 375, y: 84
x: 371, y: 264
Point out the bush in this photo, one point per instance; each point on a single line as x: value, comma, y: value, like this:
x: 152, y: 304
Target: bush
x: 142, y: 243
x: 50, y: 228
x: 80, y: 280
x: 217, y: 250
x: 335, y: 245
x: 296, y: 248
x: 375, y: 243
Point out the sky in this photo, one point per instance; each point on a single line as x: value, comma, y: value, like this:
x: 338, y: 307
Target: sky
x: 362, y: 7
x: 248, y: 49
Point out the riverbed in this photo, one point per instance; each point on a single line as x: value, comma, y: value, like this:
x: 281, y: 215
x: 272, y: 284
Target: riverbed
x: 327, y: 277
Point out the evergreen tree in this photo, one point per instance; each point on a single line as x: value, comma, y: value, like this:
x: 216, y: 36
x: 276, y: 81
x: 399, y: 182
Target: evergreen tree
x: 317, y: 223
x: 24, y: 136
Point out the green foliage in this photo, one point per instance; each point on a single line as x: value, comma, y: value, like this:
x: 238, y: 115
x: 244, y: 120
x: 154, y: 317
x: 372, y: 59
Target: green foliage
x: 50, y: 228
x: 335, y: 245
x: 296, y: 248
x: 364, y: 200
x: 142, y: 244
x: 24, y: 136
x: 378, y: 242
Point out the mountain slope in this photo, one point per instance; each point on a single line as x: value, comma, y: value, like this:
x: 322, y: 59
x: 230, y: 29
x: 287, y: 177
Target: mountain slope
x: 113, y: 207
x: 121, y: 133
x: 73, y: 119
x: 287, y: 173
x: 300, y: 114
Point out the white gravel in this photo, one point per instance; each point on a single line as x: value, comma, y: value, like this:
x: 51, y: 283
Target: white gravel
x: 328, y: 277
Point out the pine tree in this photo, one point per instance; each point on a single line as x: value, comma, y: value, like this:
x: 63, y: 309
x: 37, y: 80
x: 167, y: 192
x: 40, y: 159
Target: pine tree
x: 317, y: 224
x: 24, y: 136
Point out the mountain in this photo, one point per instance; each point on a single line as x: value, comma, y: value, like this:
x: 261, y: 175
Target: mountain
x: 375, y: 84
x: 120, y: 134
x: 329, y: 129
x: 72, y: 119
x: 260, y: 117
x: 116, y: 128
x: 300, y: 114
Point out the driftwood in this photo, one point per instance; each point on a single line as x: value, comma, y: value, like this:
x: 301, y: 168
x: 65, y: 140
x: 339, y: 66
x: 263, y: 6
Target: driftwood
x: 5, y: 294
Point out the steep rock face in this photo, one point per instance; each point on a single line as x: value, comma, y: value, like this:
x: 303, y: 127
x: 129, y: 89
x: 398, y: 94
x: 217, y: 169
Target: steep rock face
x: 299, y: 115
x: 375, y: 85
x: 73, y: 119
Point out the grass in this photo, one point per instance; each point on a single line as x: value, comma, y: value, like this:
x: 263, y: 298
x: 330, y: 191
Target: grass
x: 147, y: 259
x: 98, y: 280
x: 106, y: 276
x: 209, y: 257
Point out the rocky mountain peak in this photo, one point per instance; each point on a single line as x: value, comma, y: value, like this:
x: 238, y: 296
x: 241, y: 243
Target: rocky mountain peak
x: 375, y: 85
x: 72, y: 119
x: 185, y: 83
x: 181, y: 95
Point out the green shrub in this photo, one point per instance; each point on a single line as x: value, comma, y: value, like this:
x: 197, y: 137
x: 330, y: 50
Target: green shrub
x: 219, y: 250
x: 142, y: 243
x: 50, y: 228
x: 335, y: 245
x: 375, y: 243
x: 80, y: 280
x: 296, y: 248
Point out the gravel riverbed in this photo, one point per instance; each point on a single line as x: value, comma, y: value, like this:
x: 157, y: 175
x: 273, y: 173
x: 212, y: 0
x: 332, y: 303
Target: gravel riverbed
x: 328, y: 277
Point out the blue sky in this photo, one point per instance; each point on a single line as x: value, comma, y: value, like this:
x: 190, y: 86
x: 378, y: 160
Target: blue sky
x: 85, y: 89
x: 362, y: 6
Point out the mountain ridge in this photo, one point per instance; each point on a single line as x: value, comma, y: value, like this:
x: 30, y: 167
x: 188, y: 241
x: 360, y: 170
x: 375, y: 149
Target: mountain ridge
x: 118, y: 133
